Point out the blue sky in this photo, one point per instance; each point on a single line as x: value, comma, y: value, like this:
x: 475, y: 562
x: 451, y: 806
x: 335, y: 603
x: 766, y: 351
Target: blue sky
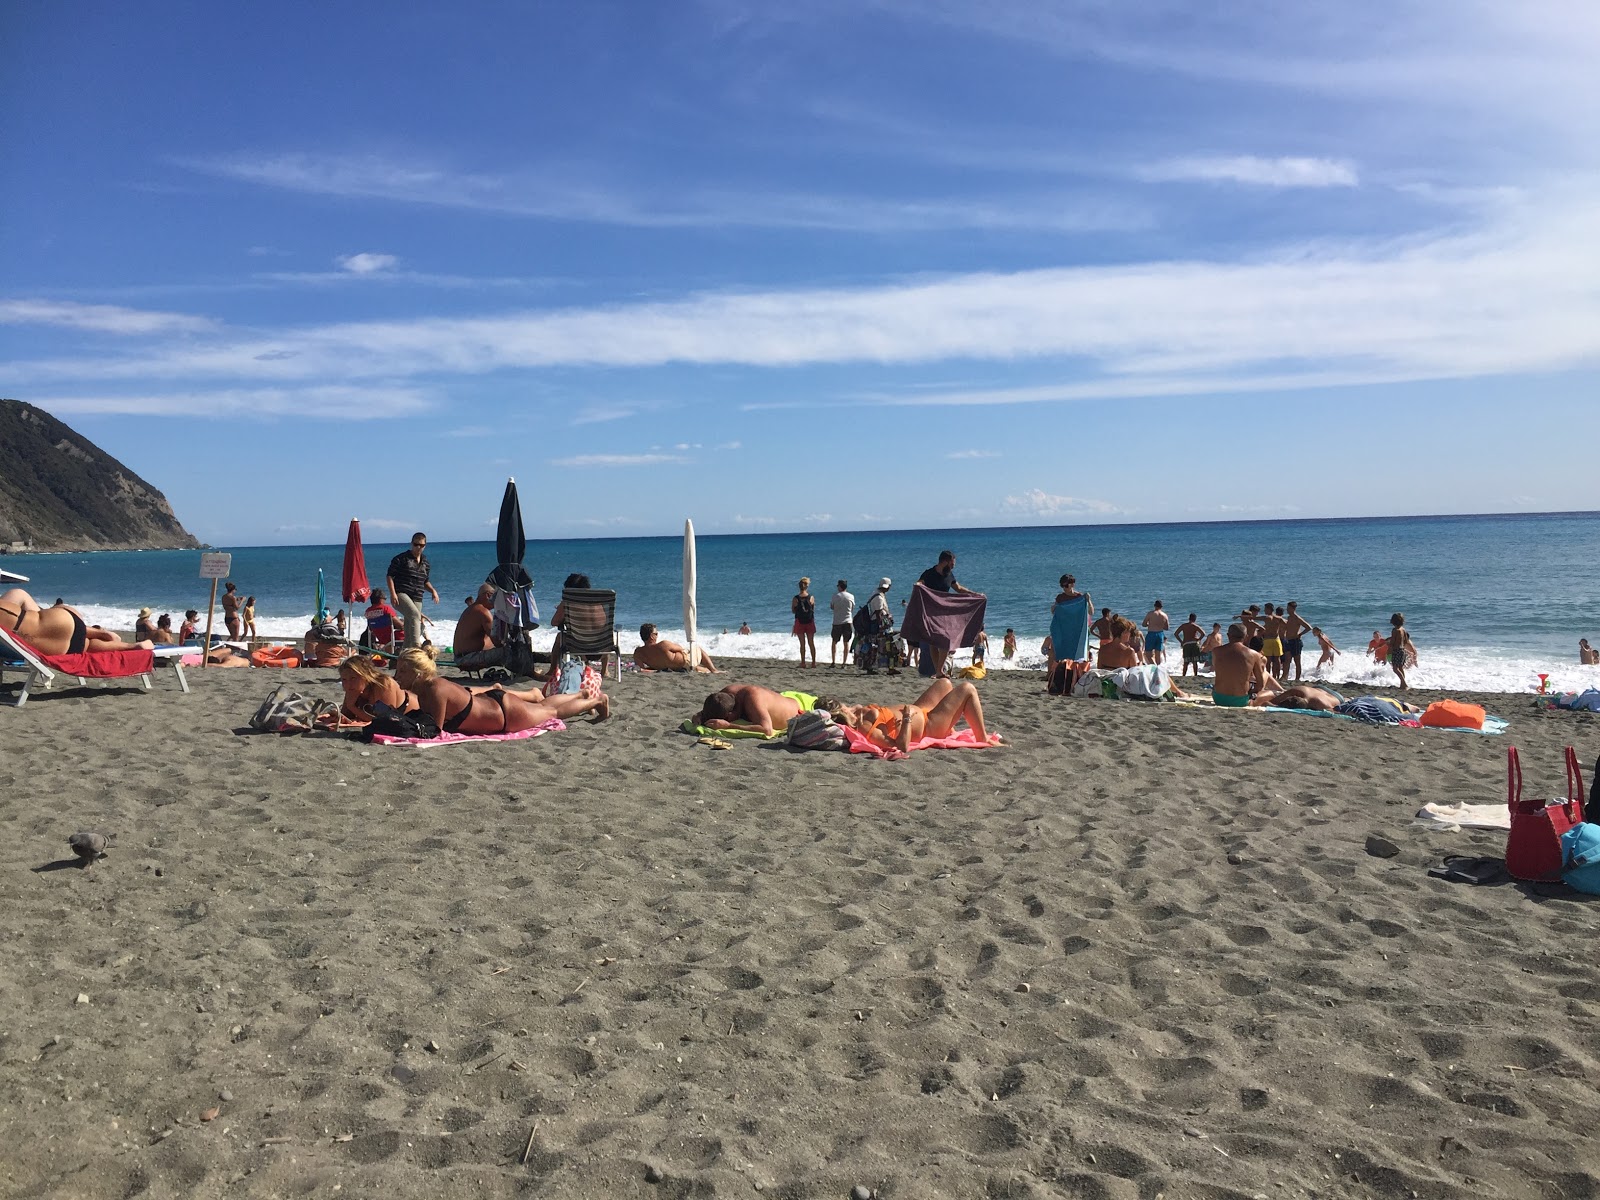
x: 840, y: 265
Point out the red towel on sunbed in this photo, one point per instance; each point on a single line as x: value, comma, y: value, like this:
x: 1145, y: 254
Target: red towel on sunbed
x: 961, y: 739
x: 104, y: 664
x: 946, y: 620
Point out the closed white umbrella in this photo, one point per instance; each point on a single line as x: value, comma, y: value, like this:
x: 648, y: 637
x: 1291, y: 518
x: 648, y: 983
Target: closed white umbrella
x: 690, y: 609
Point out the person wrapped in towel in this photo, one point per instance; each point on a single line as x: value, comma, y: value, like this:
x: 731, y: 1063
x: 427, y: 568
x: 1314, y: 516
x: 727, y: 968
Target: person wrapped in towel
x: 752, y: 708
x: 934, y: 714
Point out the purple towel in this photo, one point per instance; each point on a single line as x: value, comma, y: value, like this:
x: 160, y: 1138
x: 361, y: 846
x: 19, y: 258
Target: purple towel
x: 946, y: 620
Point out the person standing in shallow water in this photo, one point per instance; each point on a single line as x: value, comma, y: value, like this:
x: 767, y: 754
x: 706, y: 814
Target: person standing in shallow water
x: 1402, y: 653
x: 804, y: 608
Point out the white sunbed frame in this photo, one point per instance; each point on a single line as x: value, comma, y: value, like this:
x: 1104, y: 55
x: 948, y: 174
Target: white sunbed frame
x: 42, y: 677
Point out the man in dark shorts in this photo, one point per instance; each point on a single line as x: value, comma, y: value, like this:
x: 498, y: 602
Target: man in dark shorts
x: 1251, y: 621
x: 1294, y: 634
x: 1189, y: 635
x: 408, y: 582
x: 843, y: 605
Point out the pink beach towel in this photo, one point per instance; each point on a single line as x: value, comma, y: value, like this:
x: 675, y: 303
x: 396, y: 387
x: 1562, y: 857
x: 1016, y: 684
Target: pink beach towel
x: 553, y: 725
x: 963, y: 739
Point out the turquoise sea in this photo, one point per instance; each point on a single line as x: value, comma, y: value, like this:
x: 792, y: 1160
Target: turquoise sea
x: 1491, y: 600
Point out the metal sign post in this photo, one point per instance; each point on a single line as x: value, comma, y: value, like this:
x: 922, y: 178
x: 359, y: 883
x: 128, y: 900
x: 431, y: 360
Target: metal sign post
x: 212, y: 567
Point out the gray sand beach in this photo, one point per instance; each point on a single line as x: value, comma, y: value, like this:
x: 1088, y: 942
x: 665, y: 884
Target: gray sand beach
x: 1142, y: 951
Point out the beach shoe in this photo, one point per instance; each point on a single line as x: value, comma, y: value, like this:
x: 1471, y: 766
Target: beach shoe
x: 1482, y: 872
x: 715, y: 743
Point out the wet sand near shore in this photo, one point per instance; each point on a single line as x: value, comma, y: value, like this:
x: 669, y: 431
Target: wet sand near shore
x: 1141, y: 951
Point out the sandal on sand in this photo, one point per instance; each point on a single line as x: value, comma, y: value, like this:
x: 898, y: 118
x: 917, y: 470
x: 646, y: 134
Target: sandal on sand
x: 1479, y: 871
x: 715, y: 743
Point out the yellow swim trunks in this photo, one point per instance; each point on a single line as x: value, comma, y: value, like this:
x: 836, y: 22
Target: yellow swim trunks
x: 1272, y: 647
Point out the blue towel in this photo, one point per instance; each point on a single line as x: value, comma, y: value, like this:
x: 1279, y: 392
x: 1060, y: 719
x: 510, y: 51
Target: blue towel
x: 1069, y: 629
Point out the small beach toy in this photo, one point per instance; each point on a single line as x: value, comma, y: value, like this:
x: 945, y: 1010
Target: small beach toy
x: 1544, y: 682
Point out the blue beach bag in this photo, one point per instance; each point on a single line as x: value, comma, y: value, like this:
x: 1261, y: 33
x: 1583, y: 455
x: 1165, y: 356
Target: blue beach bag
x: 1580, y: 858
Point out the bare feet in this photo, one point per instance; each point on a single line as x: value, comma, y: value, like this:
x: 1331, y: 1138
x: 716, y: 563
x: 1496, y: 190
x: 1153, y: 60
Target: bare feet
x: 603, y: 709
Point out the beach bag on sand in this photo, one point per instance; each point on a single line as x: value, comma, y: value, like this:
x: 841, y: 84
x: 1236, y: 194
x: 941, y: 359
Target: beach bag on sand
x: 1580, y: 858
x: 815, y: 730
x: 285, y: 711
x: 411, y: 725
x: 1534, y: 847
x: 1453, y: 714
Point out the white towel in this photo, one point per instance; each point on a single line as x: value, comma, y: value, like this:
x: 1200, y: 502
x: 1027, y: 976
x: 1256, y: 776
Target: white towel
x: 1473, y: 816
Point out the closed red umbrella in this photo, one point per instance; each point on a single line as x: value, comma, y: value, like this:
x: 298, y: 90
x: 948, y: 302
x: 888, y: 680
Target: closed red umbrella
x: 355, y: 585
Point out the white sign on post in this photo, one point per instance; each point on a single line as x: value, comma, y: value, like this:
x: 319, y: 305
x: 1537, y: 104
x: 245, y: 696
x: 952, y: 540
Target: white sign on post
x: 215, y: 566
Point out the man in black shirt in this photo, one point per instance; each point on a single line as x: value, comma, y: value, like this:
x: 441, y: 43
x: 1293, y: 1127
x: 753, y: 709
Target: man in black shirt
x: 941, y: 577
x: 408, y: 580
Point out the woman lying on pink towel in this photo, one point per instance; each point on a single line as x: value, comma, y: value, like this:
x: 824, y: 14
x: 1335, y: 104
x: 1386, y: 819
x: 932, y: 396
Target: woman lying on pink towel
x: 934, y: 714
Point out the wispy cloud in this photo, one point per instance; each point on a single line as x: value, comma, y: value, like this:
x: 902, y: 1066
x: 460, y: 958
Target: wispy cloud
x: 367, y: 263
x: 100, y: 318
x: 1516, y: 294
x: 331, y: 403
x: 760, y: 522
x: 959, y: 454
x: 1249, y: 169
x: 537, y: 192
x: 1038, y: 503
x: 473, y: 431
x: 390, y: 523
x: 617, y: 460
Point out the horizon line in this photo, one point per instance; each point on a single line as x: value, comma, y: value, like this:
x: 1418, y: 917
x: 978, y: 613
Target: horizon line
x: 943, y: 529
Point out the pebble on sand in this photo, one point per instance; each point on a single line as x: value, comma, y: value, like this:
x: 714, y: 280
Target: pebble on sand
x: 1381, y: 847
x: 83, y: 998
x: 652, y: 1173
x: 861, y: 1192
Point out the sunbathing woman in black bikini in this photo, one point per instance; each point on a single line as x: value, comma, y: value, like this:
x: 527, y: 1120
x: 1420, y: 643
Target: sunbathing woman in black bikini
x: 485, y: 710
x: 58, y: 629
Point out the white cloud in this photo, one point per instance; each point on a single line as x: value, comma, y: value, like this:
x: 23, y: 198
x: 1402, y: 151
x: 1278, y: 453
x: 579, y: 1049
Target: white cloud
x: 817, y: 518
x: 538, y: 192
x: 1265, y: 172
x: 1038, y: 503
x: 473, y: 431
x: 616, y: 460
x: 727, y: 446
x: 367, y: 264
x: 1514, y: 295
x: 332, y: 403
x: 389, y: 523
x: 764, y: 522
x: 99, y: 318
x: 596, y: 414
x: 973, y: 454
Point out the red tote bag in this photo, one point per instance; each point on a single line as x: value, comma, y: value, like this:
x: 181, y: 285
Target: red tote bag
x: 1533, y: 849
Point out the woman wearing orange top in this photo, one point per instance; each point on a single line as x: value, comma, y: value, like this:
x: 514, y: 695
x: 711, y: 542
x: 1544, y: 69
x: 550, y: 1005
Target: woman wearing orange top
x: 934, y: 714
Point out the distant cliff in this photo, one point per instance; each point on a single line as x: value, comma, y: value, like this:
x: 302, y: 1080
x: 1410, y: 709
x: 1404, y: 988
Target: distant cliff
x: 59, y: 491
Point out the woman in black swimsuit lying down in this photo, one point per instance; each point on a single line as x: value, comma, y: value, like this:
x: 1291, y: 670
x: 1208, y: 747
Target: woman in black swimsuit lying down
x: 57, y: 629
x: 485, y: 710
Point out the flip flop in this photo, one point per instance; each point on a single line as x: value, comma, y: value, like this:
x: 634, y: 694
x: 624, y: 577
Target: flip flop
x: 1480, y: 872
x: 715, y: 743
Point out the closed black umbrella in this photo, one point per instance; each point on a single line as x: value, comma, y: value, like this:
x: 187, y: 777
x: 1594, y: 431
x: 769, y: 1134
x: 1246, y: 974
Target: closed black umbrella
x: 510, y: 544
